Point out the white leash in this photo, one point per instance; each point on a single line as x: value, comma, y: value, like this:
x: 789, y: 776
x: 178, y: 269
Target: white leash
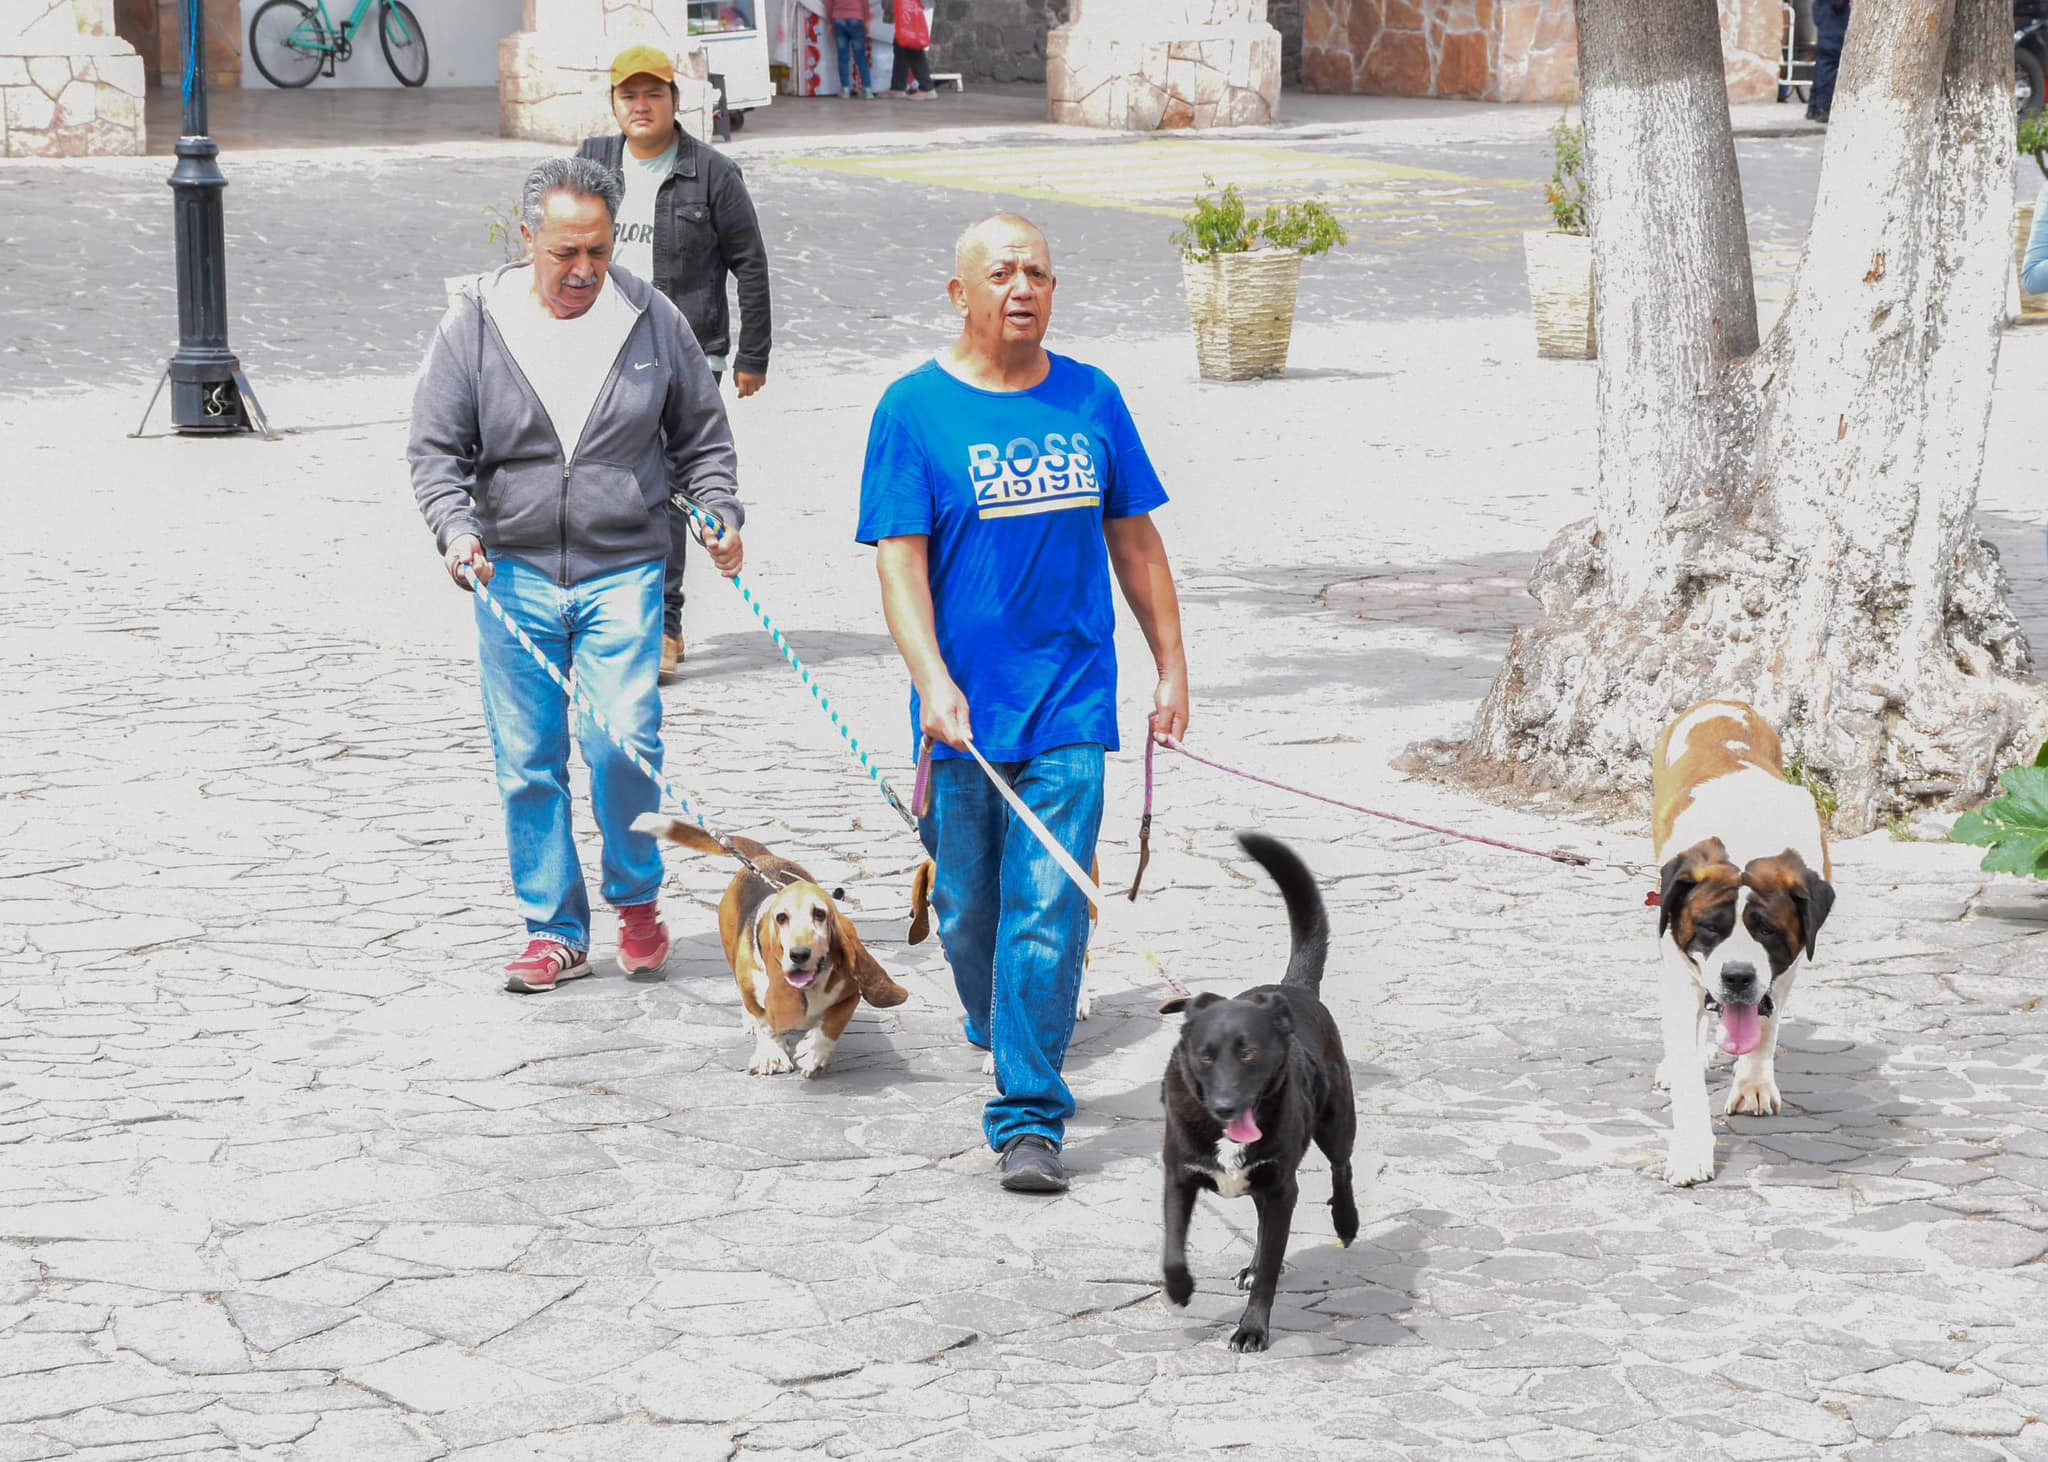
x: 1088, y: 886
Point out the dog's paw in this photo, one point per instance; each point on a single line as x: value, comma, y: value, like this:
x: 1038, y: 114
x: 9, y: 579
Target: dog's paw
x: 988, y: 1064
x: 1687, y: 1163
x: 1251, y: 1335
x: 1659, y: 1081
x: 813, y: 1055
x: 769, y: 1060
x: 1180, y: 1285
x: 1084, y: 1006
x: 1344, y: 1214
x: 1753, y: 1094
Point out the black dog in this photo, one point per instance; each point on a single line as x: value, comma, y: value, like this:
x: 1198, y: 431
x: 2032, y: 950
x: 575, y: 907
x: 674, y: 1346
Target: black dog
x: 1251, y: 1083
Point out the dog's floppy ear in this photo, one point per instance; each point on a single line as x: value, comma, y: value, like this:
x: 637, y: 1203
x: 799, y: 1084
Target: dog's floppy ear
x: 1815, y: 896
x: 1190, y: 1003
x: 874, y: 983
x: 921, y: 901
x: 1282, y: 1016
x: 1680, y: 875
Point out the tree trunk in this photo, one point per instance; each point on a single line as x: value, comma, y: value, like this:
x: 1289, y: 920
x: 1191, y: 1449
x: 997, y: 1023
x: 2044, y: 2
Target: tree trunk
x: 1793, y: 525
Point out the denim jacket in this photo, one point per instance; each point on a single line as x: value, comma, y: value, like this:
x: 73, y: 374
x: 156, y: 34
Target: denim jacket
x: 704, y: 229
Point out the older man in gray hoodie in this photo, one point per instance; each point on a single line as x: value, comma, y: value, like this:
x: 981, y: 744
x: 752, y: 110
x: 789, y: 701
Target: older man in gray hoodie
x: 562, y: 402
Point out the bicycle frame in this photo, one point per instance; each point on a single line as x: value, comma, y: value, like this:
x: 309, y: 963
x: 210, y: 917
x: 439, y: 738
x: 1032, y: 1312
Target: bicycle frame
x: 335, y: 41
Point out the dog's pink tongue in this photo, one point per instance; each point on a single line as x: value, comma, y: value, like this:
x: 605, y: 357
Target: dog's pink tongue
x: 1742, y: 1029
x: 1244, y: 1127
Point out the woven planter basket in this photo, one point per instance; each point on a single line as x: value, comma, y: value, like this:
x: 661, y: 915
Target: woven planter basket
x: 1560, y: 270
x: 1243, y: 309
x: 2032, y: 306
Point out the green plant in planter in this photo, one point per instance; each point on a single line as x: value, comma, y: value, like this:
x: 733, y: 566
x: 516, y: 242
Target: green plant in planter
x: 1566, y: 192
x: 1222, y: 224
x: 2034, y: 140
x: 501, y: 227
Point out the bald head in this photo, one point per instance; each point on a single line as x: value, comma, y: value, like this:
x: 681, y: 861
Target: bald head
x: 997, y: 233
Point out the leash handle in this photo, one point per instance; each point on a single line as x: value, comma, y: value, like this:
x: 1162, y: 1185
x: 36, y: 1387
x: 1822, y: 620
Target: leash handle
x: 817, y: 691
x: 1144, y: 822
x: 921, y: 788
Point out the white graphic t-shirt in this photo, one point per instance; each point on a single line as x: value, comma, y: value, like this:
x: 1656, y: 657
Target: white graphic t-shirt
x: 565, y: 361
x: 633, y: 233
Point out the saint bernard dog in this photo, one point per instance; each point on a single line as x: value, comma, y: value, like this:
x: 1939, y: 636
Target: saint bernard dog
x: 1744, y: 893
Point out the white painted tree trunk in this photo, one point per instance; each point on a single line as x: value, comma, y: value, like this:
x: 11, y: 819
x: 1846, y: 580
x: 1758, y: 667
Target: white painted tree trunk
x: 1793, y: 525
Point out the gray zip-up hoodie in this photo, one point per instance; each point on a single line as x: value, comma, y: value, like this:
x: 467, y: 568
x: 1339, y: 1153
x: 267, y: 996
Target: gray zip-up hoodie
x: 486, y: 459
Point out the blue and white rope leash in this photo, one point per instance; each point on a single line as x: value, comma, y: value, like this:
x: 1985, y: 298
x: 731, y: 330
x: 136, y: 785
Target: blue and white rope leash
x: 589, y: 708
x: 803, y: 671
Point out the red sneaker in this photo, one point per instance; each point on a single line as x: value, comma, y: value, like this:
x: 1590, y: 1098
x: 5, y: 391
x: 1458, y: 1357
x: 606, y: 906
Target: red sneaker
x: 546, y: 963
x: 643, y: 939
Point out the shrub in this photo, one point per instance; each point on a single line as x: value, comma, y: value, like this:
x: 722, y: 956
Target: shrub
x: 1566, y: 192
x: 1222, y: 224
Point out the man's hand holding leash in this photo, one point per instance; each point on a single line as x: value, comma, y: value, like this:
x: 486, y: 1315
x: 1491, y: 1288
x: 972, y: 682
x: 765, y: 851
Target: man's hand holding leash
x: 723, y: 544
x: 466, y: 558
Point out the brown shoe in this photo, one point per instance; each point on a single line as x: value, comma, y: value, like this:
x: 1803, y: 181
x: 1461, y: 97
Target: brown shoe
x: 671, y: 657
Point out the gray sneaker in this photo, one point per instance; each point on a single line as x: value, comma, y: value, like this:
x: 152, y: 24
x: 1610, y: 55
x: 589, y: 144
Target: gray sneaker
x: 1031, y: 1164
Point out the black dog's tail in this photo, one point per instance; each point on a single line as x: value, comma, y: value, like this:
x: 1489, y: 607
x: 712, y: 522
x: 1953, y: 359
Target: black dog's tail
x: 1308, y: 924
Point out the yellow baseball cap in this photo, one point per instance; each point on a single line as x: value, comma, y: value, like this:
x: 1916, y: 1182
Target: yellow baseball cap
x: 643, y: 61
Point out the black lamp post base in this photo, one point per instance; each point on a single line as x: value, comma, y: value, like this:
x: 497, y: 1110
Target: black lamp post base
x: 209, y: 400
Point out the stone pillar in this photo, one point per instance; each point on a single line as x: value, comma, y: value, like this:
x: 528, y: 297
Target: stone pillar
x: 69, y: 87
x: 554, y: 76
x: 1149, y: 65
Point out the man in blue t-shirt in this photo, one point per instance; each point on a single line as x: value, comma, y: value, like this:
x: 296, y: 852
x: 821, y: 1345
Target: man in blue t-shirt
x: 1003, y: 484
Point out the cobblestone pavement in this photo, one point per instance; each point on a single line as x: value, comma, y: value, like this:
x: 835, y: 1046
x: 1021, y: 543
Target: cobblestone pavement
x: 284, y: 1177
x: 330, y: 258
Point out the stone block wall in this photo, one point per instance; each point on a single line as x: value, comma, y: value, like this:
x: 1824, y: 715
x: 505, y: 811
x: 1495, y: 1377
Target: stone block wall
x: 1494, y: 50
x: 1154, y: 65
x: 84, y: 102
x: 994, y: 40
x: 69, y: 87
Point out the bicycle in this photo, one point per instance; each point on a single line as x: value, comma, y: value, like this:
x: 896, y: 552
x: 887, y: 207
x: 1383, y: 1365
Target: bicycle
x: 291, y: 43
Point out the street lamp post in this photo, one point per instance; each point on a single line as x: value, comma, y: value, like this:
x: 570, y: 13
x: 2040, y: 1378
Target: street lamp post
x: 209, y: 393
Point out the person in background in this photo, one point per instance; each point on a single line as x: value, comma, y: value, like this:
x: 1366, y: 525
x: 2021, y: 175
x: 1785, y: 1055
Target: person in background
x: 850, y: 29
x: 911, y: 72
x: 686, y: 223
x: 1831, y: 26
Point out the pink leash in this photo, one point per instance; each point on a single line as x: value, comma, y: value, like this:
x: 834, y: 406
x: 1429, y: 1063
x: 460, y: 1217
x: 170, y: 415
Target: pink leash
x: 1574, y: 860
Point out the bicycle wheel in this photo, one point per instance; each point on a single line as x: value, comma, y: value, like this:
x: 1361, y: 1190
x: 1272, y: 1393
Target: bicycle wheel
x: 2027, y: 83
x: 405, y: 44
x: 287, y: 43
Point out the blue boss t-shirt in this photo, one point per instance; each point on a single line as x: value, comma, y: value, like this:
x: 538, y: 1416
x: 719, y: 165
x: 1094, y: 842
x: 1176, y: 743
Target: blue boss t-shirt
x: 1012, y: 488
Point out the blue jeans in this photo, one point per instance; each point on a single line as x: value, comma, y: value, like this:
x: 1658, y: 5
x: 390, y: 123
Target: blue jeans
x: 609, y: 630
x: 1830, y: 24
x: 1015, y: 930
x: 852, y: 35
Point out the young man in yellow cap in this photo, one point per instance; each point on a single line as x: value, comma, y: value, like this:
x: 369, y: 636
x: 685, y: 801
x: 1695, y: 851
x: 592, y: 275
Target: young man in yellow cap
x: 686, y: 224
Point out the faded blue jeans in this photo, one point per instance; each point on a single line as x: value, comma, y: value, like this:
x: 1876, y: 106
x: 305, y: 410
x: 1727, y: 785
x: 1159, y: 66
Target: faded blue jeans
x: 609, y: 629
x: 852, y: 36
x: 1014, y: 928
